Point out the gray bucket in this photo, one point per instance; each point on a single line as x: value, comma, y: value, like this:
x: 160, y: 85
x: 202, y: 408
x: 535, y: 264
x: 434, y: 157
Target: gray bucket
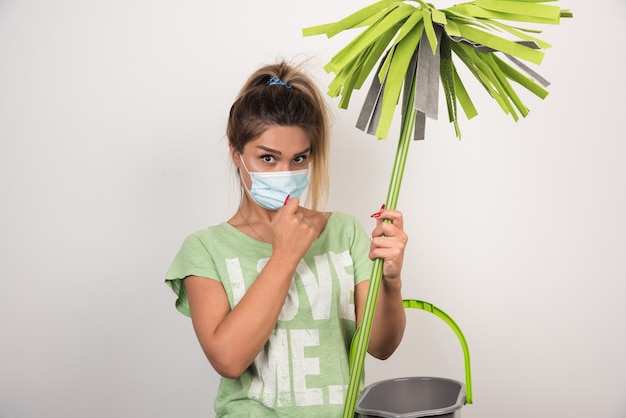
x: 412, y: 397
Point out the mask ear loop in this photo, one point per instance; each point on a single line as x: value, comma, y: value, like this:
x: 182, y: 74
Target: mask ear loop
x: 243, y: 183
x: 244, y: 164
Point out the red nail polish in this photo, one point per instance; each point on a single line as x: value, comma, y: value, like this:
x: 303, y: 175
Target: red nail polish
x: 382, y: 207
x: 286, y: 200
x: 375, y: 215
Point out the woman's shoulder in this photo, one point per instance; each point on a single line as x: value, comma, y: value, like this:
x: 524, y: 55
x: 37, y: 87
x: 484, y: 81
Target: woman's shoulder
x: 343, y: 217
x: 326, y: 217
x: 210, y: 232
x: 342, y: 222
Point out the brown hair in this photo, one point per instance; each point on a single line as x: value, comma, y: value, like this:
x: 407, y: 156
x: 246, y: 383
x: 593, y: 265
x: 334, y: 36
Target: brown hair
x: 298, y: 102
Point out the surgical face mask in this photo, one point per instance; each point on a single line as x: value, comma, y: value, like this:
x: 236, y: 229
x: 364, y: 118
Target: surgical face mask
x: 271, y: 188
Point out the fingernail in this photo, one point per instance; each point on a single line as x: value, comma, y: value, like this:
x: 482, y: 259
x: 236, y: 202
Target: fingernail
x: 375, y: 215
x: 286, y: 200
x: 382, y: 207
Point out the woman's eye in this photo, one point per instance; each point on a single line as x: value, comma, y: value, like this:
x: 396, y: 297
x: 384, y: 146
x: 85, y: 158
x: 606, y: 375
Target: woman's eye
x: 299, y: 159
x: 267, y: 158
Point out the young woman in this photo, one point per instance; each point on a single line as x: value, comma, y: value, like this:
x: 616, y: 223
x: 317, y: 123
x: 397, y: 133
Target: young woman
x: 275, y: 293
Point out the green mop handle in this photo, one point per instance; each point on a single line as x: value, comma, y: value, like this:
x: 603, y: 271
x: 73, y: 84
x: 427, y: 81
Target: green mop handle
x: 358, y: 349
x: 360, y: 341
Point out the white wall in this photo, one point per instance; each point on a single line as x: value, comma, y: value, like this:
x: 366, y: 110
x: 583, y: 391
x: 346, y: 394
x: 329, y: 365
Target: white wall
x: 112, y: 150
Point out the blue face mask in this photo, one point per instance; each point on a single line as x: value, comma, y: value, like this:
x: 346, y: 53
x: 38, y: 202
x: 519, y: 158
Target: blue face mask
x: 271, y: 188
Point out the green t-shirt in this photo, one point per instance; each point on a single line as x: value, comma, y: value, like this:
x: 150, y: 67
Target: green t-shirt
x: 303, y: 370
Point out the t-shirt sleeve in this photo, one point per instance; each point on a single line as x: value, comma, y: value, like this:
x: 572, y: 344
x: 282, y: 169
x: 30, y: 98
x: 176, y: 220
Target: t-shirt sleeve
x: 360, y: 253
x: 193, y: 259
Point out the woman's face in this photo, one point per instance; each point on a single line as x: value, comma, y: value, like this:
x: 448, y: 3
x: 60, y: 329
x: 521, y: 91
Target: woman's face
x: 279, y: 148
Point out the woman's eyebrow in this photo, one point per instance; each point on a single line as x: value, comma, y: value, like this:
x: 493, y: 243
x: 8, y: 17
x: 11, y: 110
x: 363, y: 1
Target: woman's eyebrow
x: 268, y: 149
x: 273, y: 151
x: 303, y: 152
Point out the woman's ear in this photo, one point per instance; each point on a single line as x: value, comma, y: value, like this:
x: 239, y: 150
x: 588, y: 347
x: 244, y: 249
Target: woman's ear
x: 236, y: 156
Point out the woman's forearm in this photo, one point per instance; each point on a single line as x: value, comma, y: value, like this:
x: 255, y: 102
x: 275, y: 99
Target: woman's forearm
x: 389, y: 320
x: 232, y: 340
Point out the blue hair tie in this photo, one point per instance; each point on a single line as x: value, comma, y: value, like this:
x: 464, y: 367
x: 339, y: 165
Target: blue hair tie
x: 274, y: 80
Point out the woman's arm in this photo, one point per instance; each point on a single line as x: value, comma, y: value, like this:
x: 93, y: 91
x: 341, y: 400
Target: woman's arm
x: 231, y: 339
x: 388, y: 242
